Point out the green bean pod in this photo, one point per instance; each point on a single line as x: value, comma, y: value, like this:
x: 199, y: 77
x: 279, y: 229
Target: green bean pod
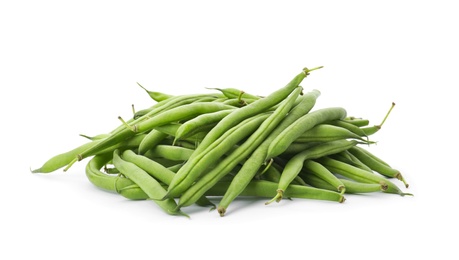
x: 303, y: 124
x: 156, y: 170
x: 196, y: 165
x: 376, y: 165
x: 360, y: 122
x: 60, y: 160
x: 360, y: 175
x: 148, y: 184
x: 173, y: 153
x: 234, y: 93
x: 169, y: 116
x: 100, y: 179
x: 152, y: 138
x: 256, y: 188
x: 200, y: 121
x: 250, y: 110
x: 295, y: 164
x: 246, y: 148
x: 326, y: 133
x: 320, y: 171
x: 155, y: 95
x: 256, y: 159
x: 352, y: 187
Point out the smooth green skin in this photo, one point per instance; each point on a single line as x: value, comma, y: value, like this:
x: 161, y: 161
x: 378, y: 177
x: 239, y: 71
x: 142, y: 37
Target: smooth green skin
x: 359, y: 175
x: 320, y: 171
x: 301, y: 125
x: 233, y: 93
x: 352, y: 187
x: 129, y: 143
x: 100, y: 179
x: 376, y: 165
x: 147, y: 183
x: 370, y: 154
x: 245, y: 149
x: 96, y: 137
x: 353, y: 128
x: 175, y: 168
x: 58, y: 161
x: 200, y: 121
x: 169, y: 116
x: 173, y: 153
x: 171, y: 129
x: 235, y: 102
x: 356, y: 121
x: 370, y: 130
x: 347, y: 157
x: 63, y: 159
x: 196, y: 165
x: 156, y: 96
x: 295, y: 164
x: 152, y: 139
x: 184, y: 112
x: 256, y: 159
x: 327, y: 133
x: 248, y: 111
x: 157, y: 170
x: 160, y: 107
x: 256, y: 188
x: 295, y: 148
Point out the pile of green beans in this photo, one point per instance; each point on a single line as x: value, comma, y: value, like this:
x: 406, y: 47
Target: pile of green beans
x: 195, y: 149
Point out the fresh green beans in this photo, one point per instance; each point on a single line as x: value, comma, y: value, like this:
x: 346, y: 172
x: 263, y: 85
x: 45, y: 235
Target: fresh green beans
x: 148, y: 184
x: 193, y: 149
x: 296, y: 129
x: 207, y: 181
x: 295, y: 164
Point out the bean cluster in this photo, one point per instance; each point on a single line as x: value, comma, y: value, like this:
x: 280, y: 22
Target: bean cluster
x: 186, y: 149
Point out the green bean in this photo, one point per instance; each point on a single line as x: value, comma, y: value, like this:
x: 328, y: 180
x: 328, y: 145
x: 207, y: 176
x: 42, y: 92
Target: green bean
x: 153, y: 138
x: 156, y: 96
x: 295, y: 164
x: 129, y: 143
x: 245, y: 112
x: 148, y: 184
x: 370, y: 130
x: 157, y: 170
x: 377, y: 166
x: 96, y: 137
x: 326, y: 133
x: 256, y: 159
x: 374, y: 157
x: 353, y: 128
x: 172, y: 115
x: 173, y: 153
x: 196, y: 165
x: 295, y: 147
x: 356, y: 121
x: 200, y: 121
x: 349, y: 158
x: 304, y: 123
x: 101, y: 180
x: 60, y: 160
x: 225, y: 166
x: 352, y: 187
x: 235, y: 93
x: 175, y: 168
x: 320, y: 171
x: 360, y: 175
x: 256, y: 188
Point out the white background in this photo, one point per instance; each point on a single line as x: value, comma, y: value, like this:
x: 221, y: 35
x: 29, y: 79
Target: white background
x: 71, y: 67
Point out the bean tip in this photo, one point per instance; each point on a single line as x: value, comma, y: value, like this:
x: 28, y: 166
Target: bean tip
x: 221, y: 211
